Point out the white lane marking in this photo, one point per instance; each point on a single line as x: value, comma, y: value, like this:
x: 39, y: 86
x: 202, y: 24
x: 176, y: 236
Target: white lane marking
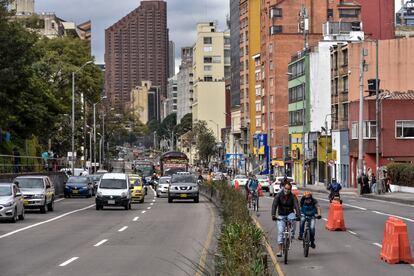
x: 60, y: 199
x: 325, y: 219
x: 100, y: 243
x: 149, y: 208
x: 390, y: 215
x: 135, y: 219
x: 412, y: 265
x: 69, y: 261
x: 352, y: 232
x: 153, y: 200
x: 155, y: 193
x: 349, y: 205
x: 143, y: 212
x: 323, y: 199
x: 123, y: 229
x: 152, y: 203
x: 377, y: 244
x: 46, y: 221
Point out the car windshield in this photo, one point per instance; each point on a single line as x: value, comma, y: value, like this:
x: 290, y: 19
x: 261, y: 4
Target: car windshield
x: 164, y: 180
x: 262, y: 177
x: 241, y: 177
x: 183, y: 179
x: 75, y: 179
x: 30, y: 183
x: 5, y: 191
x: 135, y: 182
x: 113, y: 184
x: 96, y: 177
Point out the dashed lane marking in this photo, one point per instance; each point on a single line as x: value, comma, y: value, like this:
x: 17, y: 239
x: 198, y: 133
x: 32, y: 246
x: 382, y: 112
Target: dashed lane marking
x: 123, y: 229
x: 100, y: 243
x: 352, y: 232
x: 377, y: 244
x: 390, y: 215
x: 325, y: 219
x: 60, y: 199
x: 149, y: 208
x: 143, y: 212
x: 152, y: 203
x: 135, y: 219
x: 69, y: 261
x: 349, y: 205
x: 44, y: 222
x: 153, y: 200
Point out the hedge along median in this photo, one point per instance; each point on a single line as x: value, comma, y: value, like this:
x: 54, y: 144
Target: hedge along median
x: 240, y: 246
x: 401, y: 174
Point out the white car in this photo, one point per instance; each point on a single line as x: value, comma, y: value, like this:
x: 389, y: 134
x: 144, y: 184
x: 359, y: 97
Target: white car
x: 163, y: 185
x: 241, y: 179
x: 113, y: 190
x: 275, y: 187
x: 11, y: 202
x: 264, y: 182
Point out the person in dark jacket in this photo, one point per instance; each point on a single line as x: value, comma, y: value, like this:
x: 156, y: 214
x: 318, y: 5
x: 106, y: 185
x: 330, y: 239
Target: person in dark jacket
x: 287, y: 206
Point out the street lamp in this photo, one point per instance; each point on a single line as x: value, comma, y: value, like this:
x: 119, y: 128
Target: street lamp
x: 94, y: 130
x: 326, y: 147
x: 73, y: 114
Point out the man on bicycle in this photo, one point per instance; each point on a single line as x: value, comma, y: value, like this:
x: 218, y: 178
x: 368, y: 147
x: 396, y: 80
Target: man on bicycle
x: 285, y: 203
x: 253, y: 186
x: 310, y: 210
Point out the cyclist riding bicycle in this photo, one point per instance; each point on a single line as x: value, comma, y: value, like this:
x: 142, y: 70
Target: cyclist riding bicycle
x: 253, y: 186
x: 309, y: 207
x: 285, y: 203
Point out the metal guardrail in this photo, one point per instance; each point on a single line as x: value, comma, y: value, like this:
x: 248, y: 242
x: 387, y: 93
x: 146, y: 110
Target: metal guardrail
x: 25, y: 164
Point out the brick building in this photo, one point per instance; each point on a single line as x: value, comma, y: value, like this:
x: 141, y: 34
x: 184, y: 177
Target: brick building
x: 379, y: 18
x: 136, y: 49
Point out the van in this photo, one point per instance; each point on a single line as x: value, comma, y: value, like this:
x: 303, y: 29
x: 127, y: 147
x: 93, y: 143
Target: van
x: 113, y: 190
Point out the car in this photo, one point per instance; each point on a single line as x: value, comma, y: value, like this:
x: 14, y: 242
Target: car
x: 38, y: 192
x: 275, y: 187
x: 95, y: 178
x: 241, y: 179
x: 11, y: 202
x: 163, y: 184
x: 113, y: 190
x: 183, y: 187
x: 264, y: 182
x: 101, y: 172
x: 218, y: 176
x: 137, y: 189
x: 79, y: 186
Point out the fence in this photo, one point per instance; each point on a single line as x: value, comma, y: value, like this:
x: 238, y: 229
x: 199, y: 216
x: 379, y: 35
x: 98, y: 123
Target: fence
x: 27, y: 164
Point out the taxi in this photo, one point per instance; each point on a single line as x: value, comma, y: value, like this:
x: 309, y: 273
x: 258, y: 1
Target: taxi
x: 137, y: 188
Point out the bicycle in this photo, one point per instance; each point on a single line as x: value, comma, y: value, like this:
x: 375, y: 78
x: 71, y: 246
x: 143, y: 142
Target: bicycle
x: 255, y: 201
x: 307, y: 236
x: 287, y: 236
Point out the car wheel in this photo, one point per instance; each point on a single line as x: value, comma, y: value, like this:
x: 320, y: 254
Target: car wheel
x: 170, y: 200
x: 129, y: 206
x: 65, y: 196
x: 51, y: 205
x: 196, y: 200
x: 142, y: 200
x: 43, y: 208
x: 15, y: 216
x: 158, y: 195
x: 21, y: 216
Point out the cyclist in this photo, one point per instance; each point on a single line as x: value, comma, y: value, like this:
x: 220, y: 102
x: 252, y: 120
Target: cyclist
x: 286, y: 205
x: 309, y: 207
x: 253, y: 186
x: 334, y: 187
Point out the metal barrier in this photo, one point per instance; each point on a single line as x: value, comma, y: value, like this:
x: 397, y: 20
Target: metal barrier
x: 26, y: 164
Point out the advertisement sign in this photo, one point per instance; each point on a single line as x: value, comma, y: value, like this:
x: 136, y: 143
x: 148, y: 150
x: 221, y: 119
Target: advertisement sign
x: 235, y: 160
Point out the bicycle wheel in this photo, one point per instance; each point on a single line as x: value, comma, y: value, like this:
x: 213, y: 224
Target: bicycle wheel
x: 306, y: 243
x: 286, y: 250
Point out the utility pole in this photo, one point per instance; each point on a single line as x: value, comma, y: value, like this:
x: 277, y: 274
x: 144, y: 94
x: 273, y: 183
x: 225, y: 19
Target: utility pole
x: 73, y: 125
x: 326, y: 152
x: 94, y: 137
x: 304, y: 26
x: 361, y: 113
x: 377, y: 119
x: 103, y: 138
x: 269, y: 140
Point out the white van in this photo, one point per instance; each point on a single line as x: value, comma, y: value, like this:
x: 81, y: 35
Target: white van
x: 113, y: 190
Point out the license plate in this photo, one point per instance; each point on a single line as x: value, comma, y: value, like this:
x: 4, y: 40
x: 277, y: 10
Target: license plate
x: 26, y: 202
x: 183, y: 195
x: 75, y: 191
x: 111, y: 201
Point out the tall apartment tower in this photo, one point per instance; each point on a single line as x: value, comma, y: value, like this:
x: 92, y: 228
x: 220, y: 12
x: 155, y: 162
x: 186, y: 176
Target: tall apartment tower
x: 23, y: 7
x: 281, y: 38
x: 136, y: 49
x: 171, y: 59
x: 185, y: 83
x: 211, y: 63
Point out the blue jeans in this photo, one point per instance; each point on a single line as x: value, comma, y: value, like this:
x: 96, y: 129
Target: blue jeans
x: 281, y: 226
x: 312, y: 227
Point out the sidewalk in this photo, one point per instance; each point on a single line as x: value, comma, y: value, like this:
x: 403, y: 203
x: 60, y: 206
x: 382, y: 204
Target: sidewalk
x: 398, y: 197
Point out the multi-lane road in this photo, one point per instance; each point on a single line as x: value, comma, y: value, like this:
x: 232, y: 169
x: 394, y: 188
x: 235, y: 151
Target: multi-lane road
x: 353, y: 252
x: 154, y: 238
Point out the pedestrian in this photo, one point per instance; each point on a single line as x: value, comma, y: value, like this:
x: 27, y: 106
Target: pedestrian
x: 387, y: 183
x: 16, y: 160
x: 374, y: 184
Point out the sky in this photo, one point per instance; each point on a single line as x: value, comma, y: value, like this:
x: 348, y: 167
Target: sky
x: 183, y: 16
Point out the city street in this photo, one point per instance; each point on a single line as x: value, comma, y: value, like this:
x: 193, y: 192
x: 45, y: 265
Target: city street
x: 354, y: 252
x: 154, y: 238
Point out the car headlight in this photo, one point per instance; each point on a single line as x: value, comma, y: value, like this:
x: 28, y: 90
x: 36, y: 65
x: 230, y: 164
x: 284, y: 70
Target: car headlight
x: 124, y: 194
x: 9, y: 204
x: 39, y: 196
x: 99, y: 194
x: 66, y: 187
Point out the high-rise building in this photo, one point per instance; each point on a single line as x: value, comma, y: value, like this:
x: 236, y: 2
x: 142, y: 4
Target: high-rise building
x: 235, y: 52
x: 211, y: 64
x: 185, y: 83
x: 171, y: 59
x: 136, y: 49
x: 379, y: 18
x: 23, y: 7
x: 171, y: 100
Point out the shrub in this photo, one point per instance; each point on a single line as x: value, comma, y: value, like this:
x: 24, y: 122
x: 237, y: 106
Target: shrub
x: 401, y: 174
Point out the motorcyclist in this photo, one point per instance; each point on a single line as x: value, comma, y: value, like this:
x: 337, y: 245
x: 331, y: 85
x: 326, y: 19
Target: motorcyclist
x: 286, y: 205
x: 154, y: 180
x: 334, y: 187
x: 310, y: 208
x: 253, y: 186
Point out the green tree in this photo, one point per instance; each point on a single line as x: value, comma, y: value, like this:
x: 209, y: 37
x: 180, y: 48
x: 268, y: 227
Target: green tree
x: 185, y: 125
x: 205, y: 140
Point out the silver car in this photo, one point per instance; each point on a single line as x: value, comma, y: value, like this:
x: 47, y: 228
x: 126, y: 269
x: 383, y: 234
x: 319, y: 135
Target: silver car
x: 38, y: 192
x: 162, y: 187
x: 183, y: 187
x: 11, y: 202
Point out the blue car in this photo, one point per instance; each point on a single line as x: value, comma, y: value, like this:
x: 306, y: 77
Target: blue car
x: 79, y: 186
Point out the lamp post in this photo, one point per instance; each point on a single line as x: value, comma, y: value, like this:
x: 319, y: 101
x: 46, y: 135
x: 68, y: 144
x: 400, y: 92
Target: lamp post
x: 73, y: 114
x: 326, y: 147
x: 94, y: 131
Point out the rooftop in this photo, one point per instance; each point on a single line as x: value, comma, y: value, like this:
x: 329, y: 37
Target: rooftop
x: 397, y: 95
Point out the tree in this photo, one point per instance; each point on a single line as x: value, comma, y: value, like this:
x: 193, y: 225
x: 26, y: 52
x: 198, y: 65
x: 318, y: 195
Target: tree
x: 205, y: 140
x: 185, y: 125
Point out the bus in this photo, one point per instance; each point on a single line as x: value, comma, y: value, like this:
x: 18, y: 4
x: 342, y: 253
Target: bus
x: 145, y: 168
x: 173, y: 162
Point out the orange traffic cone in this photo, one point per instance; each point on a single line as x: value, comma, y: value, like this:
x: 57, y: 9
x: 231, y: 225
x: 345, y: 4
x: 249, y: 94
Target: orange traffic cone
x: 395, y: 246
x: 336, y: 220
x: 236, y: 184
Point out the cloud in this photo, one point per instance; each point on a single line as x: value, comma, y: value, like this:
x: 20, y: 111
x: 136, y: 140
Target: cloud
x: 183, y: 16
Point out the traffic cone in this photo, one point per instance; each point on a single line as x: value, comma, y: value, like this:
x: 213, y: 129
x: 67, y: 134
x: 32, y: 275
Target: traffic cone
x: 395, y: 245
x: 236, y: 184
x: 336, y: 220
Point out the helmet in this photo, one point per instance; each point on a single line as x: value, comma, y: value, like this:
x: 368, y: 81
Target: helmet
x: 307, y: 194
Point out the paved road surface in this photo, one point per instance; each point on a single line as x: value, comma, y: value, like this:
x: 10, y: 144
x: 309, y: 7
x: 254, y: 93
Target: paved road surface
x: 355, y: 252
x: 155, y: 238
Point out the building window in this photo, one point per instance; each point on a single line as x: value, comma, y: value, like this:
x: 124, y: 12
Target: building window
x: 296, y: 117
x: 217, y: 59
x: 208, y: 68
x: 208, y: 40
x: 354, y: 132
x: 404, y: 129
x: 258, y: 121
x: 208, y: 60
x: 275, y: 12
x: 208, y: 78
x: 297, y: 69
x: 276, y: 30
x: 208, y: 48
x: 346, y: 13
x: 271, y: 99
x: 270, y: 48
x: 370, y: 130
x: 345, y: 84
x: 258, y: 106
x: 258, y: 91
x: 271, y: 82
x: 330, y: 13
x: 297, y: 93
x: 271, y: 65
x: 272, y: 117
x: 345, y: 57
x: 227, y: 41
x: 345, y: 107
